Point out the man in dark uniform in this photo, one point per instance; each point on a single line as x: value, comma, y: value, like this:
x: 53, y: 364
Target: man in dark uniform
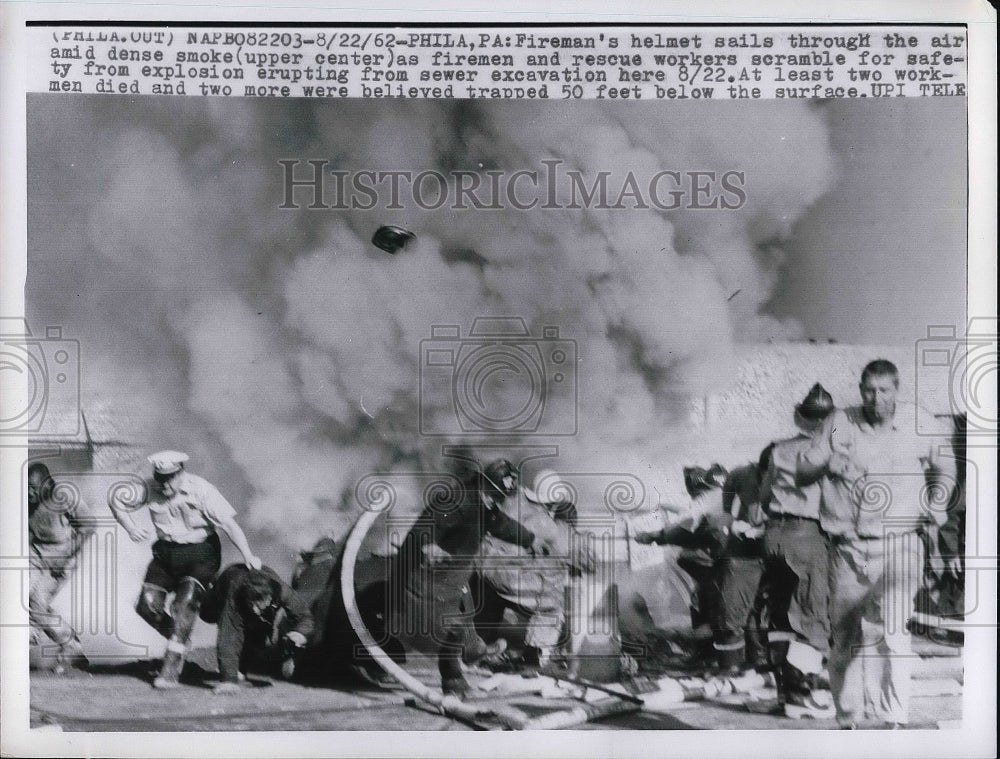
x: 262, y: 624
x: 186, y: 512
x: 701, y: 529
x: 737, y: 635
x: 797, y: 565
x: 429, y: 576
x: 532, y: 588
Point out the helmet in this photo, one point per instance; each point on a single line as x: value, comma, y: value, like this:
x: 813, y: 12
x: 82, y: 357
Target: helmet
x: 502, y: 475
x: 698, y: 480
x: 392, y: 239
x: 817, y: 404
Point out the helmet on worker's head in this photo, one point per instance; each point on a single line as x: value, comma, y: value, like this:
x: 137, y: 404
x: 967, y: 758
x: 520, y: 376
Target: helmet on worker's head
x: 716, y: 476
x: 502, y: 476
x: 698, y: 480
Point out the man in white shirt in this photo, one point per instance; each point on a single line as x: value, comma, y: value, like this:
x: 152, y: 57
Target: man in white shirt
x: 186, y: 512
x: 881, y: 483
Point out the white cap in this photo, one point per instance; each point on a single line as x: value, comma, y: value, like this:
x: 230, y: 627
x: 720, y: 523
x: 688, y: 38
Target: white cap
x: 167, y: 462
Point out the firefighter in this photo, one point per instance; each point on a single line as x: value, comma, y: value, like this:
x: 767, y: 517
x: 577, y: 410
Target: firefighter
x: 186, y: 512
x: 534, y: 589
x: 701, y: 528
x: 429, y: 577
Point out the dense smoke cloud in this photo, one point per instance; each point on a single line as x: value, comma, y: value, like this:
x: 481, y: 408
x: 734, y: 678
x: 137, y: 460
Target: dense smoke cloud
x: 284, y: 350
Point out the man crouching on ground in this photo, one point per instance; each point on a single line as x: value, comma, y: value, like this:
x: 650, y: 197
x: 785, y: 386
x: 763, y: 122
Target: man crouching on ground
x: 262, y: 624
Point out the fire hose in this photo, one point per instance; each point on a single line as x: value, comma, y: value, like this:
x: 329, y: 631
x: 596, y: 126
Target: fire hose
x: 670, y: 691
x: 447, y: 705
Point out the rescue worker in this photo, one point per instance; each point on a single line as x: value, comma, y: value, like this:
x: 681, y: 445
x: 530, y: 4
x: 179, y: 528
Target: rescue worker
x: 509, y: 576
x: 738, y: 640
x: 59, y: 525
x: 186, y: 511
x: 797, y: 566
x: 699, y: 527
x: 429, y: 575
x: 263, y: 624
x: 881, y: 483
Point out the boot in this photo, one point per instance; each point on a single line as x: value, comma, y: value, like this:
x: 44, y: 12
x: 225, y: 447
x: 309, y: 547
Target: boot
x: 777, y: 650
x: 173, y: 665
x: 729, y: 660
x: 456, y: 686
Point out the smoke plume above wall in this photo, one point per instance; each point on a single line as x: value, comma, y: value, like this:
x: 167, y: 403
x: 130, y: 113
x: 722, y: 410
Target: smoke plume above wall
x: 283, y: 350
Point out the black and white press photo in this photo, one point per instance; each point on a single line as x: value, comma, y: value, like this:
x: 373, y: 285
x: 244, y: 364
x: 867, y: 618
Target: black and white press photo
x: 452, y: 408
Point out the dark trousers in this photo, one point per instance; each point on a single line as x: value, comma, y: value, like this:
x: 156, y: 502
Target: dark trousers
x: 704, y: 571
x: 797, y: 555
x: 245, y: 642
x: 434, y: 602
x: 174, y: 561
x: 737, y: 631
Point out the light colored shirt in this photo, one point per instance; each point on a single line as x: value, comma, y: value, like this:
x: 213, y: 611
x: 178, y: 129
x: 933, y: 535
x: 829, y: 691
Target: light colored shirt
x: 56, y: 529
x: 886, y: 487
x: 55, y: 523
x: 780, y: 488
x: 689, y: 513
x: 191, y: 514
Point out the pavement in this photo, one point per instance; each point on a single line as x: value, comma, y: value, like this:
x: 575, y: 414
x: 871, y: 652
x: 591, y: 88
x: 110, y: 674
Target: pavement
x: 117, y: 696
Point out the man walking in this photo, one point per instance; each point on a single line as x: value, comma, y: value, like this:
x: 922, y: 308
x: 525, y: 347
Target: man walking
x: 736, y: 631
x: 186, y: 512
x: 881, y: 483
x: 59, y: 525
x: 797, y: 560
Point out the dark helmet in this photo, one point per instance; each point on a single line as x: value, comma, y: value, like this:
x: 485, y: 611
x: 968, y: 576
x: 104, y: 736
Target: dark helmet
x: 502, y: 475
x: 694, y: 479
x: 817, y: 404
x: 698, y: 480
x: 392, y: 239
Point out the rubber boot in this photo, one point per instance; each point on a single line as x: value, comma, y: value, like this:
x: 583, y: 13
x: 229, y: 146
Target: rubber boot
x: 151, y: 607
x: 756, y: 648
x: 453, y: 682
x: 730, y: 659
x: 187, y: 600
x: 777, y: 650
x: 173, y: 664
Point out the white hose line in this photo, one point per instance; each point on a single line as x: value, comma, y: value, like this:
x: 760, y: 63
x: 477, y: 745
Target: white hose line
x: 449, y: 705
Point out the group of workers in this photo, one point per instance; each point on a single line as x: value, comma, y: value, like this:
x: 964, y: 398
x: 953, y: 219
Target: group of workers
x: 825, y: 538
x: 822, y: 537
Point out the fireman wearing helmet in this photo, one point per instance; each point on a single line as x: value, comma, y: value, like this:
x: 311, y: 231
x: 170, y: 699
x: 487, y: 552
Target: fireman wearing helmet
x: 431, y: 570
